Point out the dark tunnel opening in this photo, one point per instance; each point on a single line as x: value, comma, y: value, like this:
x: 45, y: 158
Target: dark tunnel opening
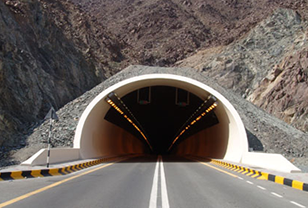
x: 161, y: 111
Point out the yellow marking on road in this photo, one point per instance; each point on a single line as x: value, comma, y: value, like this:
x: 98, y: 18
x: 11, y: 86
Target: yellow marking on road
x: 203, y: 163
x: 52, y: 185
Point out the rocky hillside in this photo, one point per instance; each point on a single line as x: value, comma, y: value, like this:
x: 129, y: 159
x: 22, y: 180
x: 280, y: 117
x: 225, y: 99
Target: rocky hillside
x: 243, y: 40
x: 53, y: 51
x: 268, y: 66
x: 50, y: 53
x: 284, y: 91
x: 165, y: 31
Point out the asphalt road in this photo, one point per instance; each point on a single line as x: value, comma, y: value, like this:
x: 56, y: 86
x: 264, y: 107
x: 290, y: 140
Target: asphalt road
x: 149, y: 182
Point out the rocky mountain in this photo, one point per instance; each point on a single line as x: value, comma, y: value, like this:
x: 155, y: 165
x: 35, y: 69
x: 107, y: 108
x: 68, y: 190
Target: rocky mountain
x: 268, y: 66
x: 50, y: 53
x: 284, y: 91
x: 53, y: 51
x: 165, y: 31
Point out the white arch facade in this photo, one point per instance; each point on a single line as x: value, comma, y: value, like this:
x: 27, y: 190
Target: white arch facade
x: 95, y: 137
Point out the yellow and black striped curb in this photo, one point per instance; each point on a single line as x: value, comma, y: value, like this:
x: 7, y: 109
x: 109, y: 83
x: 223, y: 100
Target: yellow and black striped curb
x: 263, y: 176
x: 14, y: 175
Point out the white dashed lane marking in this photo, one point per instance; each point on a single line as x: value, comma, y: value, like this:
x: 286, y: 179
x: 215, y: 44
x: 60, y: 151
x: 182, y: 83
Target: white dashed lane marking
x: 297, y: 204
x: 276, y: 194
x: 250, y: 182
x: 260, y: 187
x: 273, y: 193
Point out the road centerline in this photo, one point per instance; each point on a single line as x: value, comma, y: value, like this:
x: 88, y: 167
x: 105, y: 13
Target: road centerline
x: 154, y: 190
x: 159, y: 172
x: 164, y: 193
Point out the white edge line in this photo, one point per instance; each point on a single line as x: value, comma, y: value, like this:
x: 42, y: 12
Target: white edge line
x: 297, y: 204
x: 154, y: 191
x: 164, y: 193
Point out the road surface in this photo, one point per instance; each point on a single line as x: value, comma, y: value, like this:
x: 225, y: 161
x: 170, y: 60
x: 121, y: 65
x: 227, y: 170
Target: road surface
x: 150, y: 182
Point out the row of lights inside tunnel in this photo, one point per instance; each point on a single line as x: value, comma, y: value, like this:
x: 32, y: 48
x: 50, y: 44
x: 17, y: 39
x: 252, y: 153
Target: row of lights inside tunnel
x: 112, y: 99
x: 212, y: 107
x: 110, y: 102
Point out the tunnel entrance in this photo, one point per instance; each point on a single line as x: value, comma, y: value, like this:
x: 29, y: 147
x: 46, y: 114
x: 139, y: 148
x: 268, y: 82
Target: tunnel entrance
x: 161, y: 100
x: 161, y: 111
x: 162, y: 105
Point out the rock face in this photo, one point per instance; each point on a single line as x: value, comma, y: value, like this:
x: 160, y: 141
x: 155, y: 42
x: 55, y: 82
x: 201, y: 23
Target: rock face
x: 165, y: 31
x: 267, y: 66
x: 284, y: 92
x: 50, y: 53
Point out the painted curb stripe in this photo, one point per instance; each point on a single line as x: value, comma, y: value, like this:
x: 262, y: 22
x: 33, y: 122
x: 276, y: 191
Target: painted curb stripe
x: 45, y: 172
x: 55, y: 172
x: 271, y: 177
x: 262, y: 176
x: 6, y: 176
x: 27, y: 174
x: 287, y: 182
x: 14, y: 175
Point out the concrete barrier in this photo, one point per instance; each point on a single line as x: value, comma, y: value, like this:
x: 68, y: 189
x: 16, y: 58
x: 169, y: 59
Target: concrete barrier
x: 269, y: 161
x: 38, y: 173
x: 57, y: 155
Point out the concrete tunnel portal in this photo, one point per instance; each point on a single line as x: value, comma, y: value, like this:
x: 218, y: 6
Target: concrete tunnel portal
x: 156, y: 110
x: 161, y: 106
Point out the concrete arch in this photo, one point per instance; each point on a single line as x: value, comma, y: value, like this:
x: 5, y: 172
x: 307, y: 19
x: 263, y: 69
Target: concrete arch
x: 96, y: 137
x: 226, y: 139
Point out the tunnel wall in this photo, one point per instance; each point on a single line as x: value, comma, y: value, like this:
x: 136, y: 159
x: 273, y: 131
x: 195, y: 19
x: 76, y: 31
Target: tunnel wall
x: 97, y: 137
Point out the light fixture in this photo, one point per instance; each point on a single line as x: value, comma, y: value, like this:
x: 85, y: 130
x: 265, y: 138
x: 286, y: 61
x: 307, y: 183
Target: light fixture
x: 206, y: 107
x: 114, y: 101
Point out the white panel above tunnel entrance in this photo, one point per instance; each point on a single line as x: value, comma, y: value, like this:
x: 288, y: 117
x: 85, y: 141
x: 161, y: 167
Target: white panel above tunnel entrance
x: 96, y: 137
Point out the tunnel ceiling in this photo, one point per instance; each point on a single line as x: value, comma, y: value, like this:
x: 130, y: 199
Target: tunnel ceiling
x: 163, y: 117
